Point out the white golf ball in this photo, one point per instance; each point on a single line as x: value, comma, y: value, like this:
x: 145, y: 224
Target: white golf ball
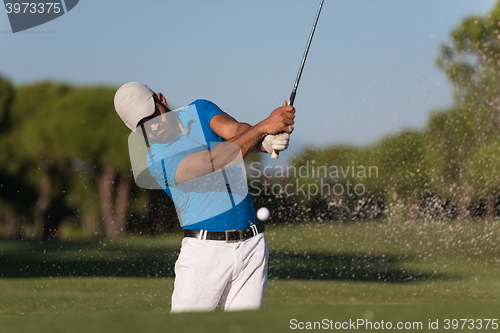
x: 263, y: 214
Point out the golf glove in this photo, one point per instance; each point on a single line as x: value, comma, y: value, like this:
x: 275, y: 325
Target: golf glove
x: 278, y: 142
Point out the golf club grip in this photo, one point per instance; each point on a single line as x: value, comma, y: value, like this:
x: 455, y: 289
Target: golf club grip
x: 276, y: 153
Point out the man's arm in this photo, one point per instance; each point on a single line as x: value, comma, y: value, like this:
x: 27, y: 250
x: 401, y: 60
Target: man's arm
x: 240, y: 137
x: 227, y: 127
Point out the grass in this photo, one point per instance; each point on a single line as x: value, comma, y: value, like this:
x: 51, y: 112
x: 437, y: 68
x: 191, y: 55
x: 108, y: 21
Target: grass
x: 277, y: 319
x: 387, y: 270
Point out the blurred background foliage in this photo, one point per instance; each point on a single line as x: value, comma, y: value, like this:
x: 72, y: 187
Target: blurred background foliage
x: 64, y: 158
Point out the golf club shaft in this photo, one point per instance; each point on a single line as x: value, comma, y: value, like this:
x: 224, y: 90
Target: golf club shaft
x: 275, y: 153
x: 301, y: 68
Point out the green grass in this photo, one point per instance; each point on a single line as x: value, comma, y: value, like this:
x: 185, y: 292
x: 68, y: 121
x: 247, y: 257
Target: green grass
x: 393, y: 271
x: 276, y: 319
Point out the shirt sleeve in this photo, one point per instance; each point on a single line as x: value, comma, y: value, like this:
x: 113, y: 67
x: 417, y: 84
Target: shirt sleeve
x: 207, y: 110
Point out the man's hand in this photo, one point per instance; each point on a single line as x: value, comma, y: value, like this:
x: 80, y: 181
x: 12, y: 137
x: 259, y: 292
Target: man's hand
x: 277, y: 142
x: 280, y: 120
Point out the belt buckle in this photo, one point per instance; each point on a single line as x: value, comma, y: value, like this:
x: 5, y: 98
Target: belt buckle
x: 236, y: 239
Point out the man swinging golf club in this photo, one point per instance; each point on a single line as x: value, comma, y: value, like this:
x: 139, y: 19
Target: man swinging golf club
x: 195, y: 154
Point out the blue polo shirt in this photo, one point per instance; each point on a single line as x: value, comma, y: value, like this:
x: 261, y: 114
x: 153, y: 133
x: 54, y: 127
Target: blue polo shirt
x: 216, y: 202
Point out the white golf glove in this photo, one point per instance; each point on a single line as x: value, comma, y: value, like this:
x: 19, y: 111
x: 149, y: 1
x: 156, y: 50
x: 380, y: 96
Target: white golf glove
x: 278, y: 142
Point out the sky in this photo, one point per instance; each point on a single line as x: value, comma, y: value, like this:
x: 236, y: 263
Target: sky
x: 370, y: 71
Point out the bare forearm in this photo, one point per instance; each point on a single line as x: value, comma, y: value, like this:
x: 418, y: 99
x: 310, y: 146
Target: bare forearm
x: 241, y: 128
x: 248, y: 140
x: 224, y: 155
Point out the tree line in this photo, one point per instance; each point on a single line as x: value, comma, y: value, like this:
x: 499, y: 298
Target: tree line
x: 64, y: 157
x: 451, y: 168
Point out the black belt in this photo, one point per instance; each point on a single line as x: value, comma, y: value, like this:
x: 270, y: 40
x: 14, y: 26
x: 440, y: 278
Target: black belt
x: 229, y: 236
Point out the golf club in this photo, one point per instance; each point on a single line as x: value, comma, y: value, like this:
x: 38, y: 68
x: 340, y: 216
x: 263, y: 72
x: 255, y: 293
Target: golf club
x: 275, y: 153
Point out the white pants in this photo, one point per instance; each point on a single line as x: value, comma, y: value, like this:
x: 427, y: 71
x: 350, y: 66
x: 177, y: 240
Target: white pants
x: 208, y: 271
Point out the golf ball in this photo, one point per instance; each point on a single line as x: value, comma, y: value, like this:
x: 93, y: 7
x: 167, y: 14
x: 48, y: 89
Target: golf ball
x: 263, y: 214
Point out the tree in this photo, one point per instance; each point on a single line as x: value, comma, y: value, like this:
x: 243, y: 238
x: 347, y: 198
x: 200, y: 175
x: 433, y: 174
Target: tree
x: 65, y: 138
x: 346, y: 181
x: 31, y: 155
x: 451, y: 138
x: 15, y: 193
x: 94, y: 135
x: 6, y: 97
x: 472, y: 63
x: 484, y: 174
x: 404, y: 179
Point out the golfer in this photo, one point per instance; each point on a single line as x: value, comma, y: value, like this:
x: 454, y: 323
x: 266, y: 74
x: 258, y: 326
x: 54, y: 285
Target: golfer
x: 196, y: 155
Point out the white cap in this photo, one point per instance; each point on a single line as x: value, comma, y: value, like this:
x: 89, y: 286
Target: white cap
x: 133, y: 102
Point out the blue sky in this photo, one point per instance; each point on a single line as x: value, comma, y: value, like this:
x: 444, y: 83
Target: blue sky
x: 370, y: 71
